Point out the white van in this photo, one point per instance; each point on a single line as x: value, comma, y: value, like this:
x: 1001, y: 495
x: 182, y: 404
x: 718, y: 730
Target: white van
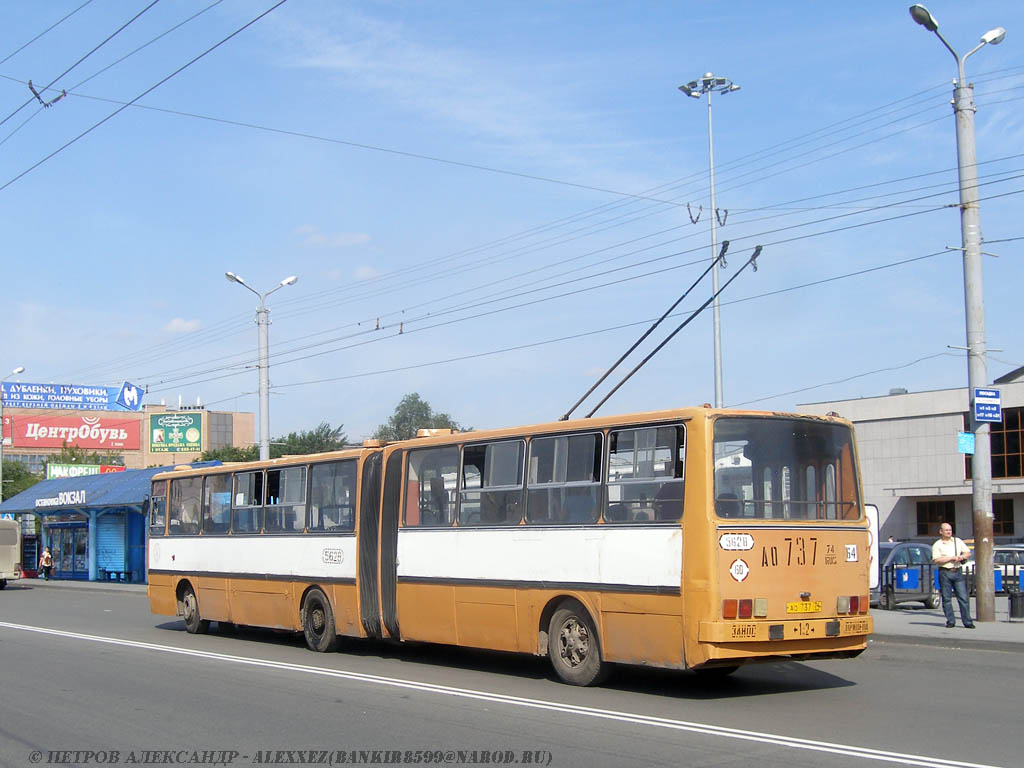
x: 10, y: 551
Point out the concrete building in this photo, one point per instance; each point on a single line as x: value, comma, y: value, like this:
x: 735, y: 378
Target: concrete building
x: 912, y: 467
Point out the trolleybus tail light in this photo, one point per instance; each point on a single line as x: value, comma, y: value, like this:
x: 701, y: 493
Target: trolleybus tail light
x: 760, y: 607
x: 854, y: 604
x: 864, y: 603
x: 843, y: 604
x: 729, y: 609
x: 746, y: 608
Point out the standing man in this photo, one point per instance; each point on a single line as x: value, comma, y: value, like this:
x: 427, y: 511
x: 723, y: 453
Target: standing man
x: 950, y: 553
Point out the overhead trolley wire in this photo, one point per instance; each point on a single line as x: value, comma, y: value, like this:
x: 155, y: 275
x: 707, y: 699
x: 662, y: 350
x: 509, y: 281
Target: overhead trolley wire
x: 144, y: 93
x: 48, y: 29
x: 620, y: 202
x: 110, y: 37
x: 285, y: 354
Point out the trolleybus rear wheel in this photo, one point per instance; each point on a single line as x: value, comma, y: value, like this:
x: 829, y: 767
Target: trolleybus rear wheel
x: 573, y: 646
x: 194, y: 624
x: 318, y: 622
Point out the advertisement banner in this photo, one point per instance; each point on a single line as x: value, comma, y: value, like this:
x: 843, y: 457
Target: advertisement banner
x: 72, y: 397
x: 79, y: 470
x: 94, y: 432
x: 176, y: 432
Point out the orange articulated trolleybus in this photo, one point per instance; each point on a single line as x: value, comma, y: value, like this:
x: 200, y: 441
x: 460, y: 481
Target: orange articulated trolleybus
x: 694, y: 538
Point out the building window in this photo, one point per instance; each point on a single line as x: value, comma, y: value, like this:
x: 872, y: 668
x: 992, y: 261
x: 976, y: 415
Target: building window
x: 1005, y: 438
x: 1002, y: 509
x: 932, y: 514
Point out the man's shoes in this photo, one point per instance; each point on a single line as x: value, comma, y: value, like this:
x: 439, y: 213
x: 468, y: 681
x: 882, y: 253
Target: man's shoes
x: 950, y: 624
x: 968, y: 626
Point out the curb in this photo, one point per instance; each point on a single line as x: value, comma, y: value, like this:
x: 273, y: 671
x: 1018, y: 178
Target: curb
x: 90, y: 586
x: 952, y: 644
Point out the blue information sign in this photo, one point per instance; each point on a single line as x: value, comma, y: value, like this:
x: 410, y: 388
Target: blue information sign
x: 987, y: 405
x: 965, y: 442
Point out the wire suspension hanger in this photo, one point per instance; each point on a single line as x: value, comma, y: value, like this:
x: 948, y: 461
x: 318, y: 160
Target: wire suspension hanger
x: 40, y: 99
x: 751, y: 261
x: 628, y: 352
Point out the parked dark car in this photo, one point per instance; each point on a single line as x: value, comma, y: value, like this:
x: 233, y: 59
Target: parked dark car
x: 905, y: 574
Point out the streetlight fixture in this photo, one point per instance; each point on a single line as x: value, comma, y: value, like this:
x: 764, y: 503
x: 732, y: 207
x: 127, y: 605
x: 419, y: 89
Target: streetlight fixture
x: 974, y: 305
x: 695, y: 89
x: 263, y: 322
x: 15, y: 372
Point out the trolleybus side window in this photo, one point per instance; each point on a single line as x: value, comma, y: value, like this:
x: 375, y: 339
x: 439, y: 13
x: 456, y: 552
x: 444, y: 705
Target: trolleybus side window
x: 185, y: 505
x: 332, y: 496
x: 564, y: 480
x: 430, y: 485
x: 286, y: 500
x: 158, y: 509
x: 247, y: 504
x: 492, y: 484
x: 645, y: 474
x: 217, y: 504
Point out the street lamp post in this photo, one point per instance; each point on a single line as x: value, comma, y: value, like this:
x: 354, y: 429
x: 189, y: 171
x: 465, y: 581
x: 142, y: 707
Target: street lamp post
x: 15, y: 372
x: 695, y: 89
x: 974, y: 305
x: 263, y: 321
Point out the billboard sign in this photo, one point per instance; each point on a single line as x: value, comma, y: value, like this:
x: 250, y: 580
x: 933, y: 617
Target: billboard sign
x: 176, y: 433
x: 94, y: 432
x: 72, y: 397
x: 79, y: 470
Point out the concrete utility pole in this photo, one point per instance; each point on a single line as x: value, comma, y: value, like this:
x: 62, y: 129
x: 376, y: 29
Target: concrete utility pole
x: 974, y: 305
x: 695, y: 89
x: 15, y: 372
x: 263, y: 321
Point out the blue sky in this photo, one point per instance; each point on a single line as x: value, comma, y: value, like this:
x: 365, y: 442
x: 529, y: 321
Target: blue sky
x: 502, y: 187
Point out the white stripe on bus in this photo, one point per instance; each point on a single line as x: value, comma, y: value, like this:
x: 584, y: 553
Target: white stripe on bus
x: 863, y: 753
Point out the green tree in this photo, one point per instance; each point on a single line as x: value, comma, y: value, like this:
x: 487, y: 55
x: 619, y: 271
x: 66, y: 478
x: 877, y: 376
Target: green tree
x: 230, y: 453
x: 17, y: 478
x: 411, y: 414
x: 323, y: 438
x: 72, y: 454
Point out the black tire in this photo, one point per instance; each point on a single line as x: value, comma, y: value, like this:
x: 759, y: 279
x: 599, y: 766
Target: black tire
x: 886, y: 599
x: 3, y: 583
x: 194, y: 624
x: 934, y: 600
x: 318, y: 622
x: 573, y: 646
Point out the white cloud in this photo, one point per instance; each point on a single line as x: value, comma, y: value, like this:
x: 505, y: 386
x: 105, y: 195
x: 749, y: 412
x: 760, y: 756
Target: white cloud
x: 365, y: 273
x: 177, y: 325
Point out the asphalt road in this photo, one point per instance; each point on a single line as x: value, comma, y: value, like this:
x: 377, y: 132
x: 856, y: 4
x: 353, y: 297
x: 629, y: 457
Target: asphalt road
x: 96, y: 673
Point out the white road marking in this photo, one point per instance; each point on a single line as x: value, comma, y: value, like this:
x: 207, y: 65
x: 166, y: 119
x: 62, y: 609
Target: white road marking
x: 657, y: 722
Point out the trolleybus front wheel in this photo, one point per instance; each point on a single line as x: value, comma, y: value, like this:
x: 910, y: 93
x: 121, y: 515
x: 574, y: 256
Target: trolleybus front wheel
x: 318, y: 622
x: 573, y: 646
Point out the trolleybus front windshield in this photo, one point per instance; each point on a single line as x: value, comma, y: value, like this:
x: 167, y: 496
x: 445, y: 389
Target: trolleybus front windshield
x: 772, y: 468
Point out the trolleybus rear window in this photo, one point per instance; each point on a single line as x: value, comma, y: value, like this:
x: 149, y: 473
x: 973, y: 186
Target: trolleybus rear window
x: 767, y: 468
